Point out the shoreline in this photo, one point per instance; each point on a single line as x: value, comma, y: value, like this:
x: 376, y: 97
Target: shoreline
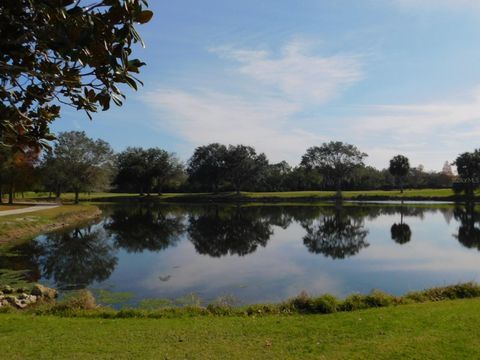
x: 233, y: 199
x: 28, y: 225
x: 418, y: 195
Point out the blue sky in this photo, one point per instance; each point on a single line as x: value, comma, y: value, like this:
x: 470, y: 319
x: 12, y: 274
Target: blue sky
x: 390, y: 76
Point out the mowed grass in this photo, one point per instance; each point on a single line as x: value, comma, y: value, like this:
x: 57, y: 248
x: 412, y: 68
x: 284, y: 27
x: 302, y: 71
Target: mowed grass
x: 418, y: 194
x: 69, y: 197
x: 354, y: 194
x: 14, y: 227
x: 443, y: 330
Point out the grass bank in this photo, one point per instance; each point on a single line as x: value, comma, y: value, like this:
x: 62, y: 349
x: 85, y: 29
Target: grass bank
x: 288, y: 196
x: 23, y: 226
x: 443, y: 330
x: 312, y: 196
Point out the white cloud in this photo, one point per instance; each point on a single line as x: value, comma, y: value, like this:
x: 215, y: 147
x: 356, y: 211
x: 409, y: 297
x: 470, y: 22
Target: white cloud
x: 286, y: 91
x: 439, y: 4
x: 206, y: 116
x: 430, y: 133
x: 298, y: 73
x: 265, y: 116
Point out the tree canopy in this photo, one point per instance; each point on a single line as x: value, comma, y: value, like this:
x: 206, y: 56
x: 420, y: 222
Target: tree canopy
x: 468, y: 168
x: 63, y: 52
x: 399, y: 168
x: 335, y: 159
x: 243, y: 165
x: 80, y: 162
x: 146, y: 170
x: 207, y: 166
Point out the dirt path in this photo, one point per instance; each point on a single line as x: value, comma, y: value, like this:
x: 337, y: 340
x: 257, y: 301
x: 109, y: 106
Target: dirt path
x: 29, y: 209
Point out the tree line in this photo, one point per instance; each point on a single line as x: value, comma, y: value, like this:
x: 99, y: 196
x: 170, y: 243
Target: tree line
x: 76, y: 163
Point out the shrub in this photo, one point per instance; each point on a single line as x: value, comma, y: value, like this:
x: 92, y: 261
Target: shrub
x: 325, y: 304
x: 72, y: 305
x: 460, y: 291
x: 222, y: 310
x: 301, y: 303
x: 378, y: 299
x: 353, y: 302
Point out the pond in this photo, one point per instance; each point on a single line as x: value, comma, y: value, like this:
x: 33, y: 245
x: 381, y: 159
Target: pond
x: 258, y: 253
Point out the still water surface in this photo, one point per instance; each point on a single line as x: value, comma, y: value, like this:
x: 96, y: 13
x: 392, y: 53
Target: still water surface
x: 259, y: 253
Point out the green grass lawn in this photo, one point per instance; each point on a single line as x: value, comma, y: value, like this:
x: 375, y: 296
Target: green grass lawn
x: 427, y: 194
x: 443, y: 330
x: 354, y: 194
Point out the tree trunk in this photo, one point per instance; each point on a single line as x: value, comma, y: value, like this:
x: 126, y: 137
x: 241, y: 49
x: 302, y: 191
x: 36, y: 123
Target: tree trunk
x: 10, y: 195
x: 58, y: 193
x: 1, y: 194
x: 338, y: 186
x: 77, y: 197
x: 401, y: 185
x: 10, y: 190
x: 469, y: 191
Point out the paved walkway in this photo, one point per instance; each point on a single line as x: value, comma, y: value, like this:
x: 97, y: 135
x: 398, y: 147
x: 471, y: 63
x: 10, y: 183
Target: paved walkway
x: 30, y: 209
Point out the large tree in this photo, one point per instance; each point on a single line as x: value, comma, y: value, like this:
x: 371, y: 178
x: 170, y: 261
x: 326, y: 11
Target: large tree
x: 84, y: 163
x: 244, y: 165
x: 146, y: 170
x: 63, y: 52
x: 276, y: 176
x: 335, y: 160
x: 54, y: 178
x: 4, y: 153
x: 206, y: 167
x: 399, y: 168
x: 468, y: 168
x: 17, y: 168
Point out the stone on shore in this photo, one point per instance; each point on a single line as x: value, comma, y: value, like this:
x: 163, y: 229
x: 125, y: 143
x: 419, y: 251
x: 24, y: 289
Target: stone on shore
x: 44, y: 292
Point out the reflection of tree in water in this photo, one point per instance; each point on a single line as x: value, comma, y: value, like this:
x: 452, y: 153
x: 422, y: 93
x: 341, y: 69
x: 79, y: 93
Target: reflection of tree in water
x: 144, y: 228
x: 401, y: 233
x: 21, y: 258
x: 275, y: 215
x: 336, y: 235
x: 77, y: 258
x: 469, y: 230
x: 235, y: 231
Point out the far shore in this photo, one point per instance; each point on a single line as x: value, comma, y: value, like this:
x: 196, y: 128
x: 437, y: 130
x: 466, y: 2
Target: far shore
x: 433, y: 195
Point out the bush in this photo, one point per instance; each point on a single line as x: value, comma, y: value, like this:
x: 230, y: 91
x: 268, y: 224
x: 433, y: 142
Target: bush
x: 325, y: 304
x: 82, y: 304
x: 222, y: 310
x: 378, y: 299
x: 460, y: 291
x: 353, y: 302
x: 72, y: 305
x: 301, y: 303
